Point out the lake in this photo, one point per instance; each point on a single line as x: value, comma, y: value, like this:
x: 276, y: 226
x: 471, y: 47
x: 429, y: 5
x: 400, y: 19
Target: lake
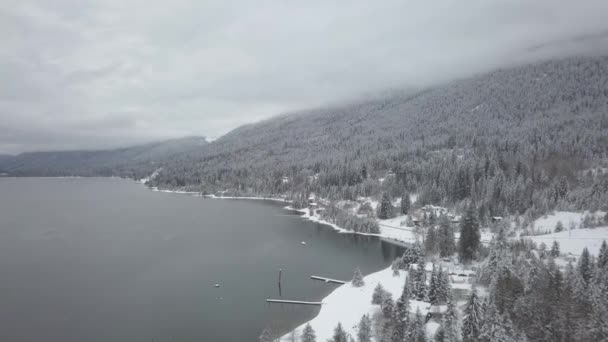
x: 94, y: 259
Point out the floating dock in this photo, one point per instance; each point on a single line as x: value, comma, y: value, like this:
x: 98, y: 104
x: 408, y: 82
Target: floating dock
x: 328, y: 280
x: 292, y: 302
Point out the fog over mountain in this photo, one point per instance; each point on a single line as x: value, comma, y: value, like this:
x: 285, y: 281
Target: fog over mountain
x: 106, y: 74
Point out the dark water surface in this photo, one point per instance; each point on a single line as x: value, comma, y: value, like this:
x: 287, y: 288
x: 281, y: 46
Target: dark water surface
x: 108, y: 260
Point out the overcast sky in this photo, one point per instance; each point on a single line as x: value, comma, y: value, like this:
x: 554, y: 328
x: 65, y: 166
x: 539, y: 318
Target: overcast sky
x: 97, y: 74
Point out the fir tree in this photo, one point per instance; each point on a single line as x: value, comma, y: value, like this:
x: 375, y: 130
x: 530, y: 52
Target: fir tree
x: 339, y: 334
x: 559, y: 227
x: 386, y: 207
x: 495, y: 328
x: 308, y: 334
x: 433, y: 286
x: 405, y: 203
x: 473, y: 316
x: 364, y: 334
x: 388, y: 307
x: 602, y: 258
x: 443, y: 286
x: 400, y: 321
x: 416, y: 329
x: 358, y: 278
x: 379, y: 295
x: 469, y: 241
x: 445, y: 237
x: 450, y: 322
x: 555, y: 249
x: 419, y: 282
x: 431, y: 241
x: 585, y: 267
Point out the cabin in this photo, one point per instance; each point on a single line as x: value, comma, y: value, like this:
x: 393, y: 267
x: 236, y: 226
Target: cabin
x: 496, y: 219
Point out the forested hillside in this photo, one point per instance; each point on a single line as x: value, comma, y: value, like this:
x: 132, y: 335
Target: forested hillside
x: 132, y: 162
x: 529, y: 139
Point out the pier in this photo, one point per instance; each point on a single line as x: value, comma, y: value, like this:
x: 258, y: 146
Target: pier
x: 328, y: 280
x: 292, y: 302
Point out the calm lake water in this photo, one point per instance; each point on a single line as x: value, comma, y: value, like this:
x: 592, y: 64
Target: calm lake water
x: 109, y: 260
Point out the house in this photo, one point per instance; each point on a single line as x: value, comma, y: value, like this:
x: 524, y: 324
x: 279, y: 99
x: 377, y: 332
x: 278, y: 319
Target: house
x: 496, y: 219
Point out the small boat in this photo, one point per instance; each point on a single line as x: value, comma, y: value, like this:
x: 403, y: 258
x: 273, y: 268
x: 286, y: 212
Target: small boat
x: 303, y: 242
x: 217, y: 285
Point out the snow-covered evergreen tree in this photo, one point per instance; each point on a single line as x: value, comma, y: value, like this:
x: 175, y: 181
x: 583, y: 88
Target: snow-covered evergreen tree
x: 495, y: 328
x: 445, y: 237
x: 473, y: 318
x: 405, y: 203
x: 585, y: 265
x: 364, y: 332
x: 388, y: 307
x: 339, y: 334
x: 433, y: 286
x: 416, y: 329
x: 419, y: 291
x: 469, y: 240
x: 378, y: 295
x: 602, y: 258
x: 401, y: 320
x: 358, y: 278
x: 308, y: 334
x: 386, y: 207
x: 559, y: 227
x: 555, y: 249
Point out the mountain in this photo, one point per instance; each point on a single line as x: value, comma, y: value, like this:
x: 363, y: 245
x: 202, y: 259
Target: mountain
x: 133, y: 162
x: 512, y: 140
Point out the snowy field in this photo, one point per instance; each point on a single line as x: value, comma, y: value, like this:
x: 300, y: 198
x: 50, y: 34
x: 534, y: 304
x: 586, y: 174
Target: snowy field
x: 568, y: 219
x: 575, y: 240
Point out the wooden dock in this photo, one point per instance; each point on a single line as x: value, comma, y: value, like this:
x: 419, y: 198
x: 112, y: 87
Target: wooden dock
x: 292, y: 302
x: 328, y: 280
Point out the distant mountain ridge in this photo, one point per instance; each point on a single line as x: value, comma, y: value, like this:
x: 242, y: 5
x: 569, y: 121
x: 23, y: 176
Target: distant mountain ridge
x: 533, y: 130
x: 131, y: 162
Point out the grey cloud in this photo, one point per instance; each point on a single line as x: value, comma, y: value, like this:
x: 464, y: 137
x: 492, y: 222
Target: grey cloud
x: 92, y: 74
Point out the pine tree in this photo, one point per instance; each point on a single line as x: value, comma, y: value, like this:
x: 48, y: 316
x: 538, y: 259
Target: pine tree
x: 420, y: 288
x: 431, y: 242
x: 339, y: 334
x: 388, y: 307
x: 469, y: 241
x: 358, y: 278
x: 585, y: 267
x: 473, y: 316
x: 443, y: 282
x: 379, y: 294
x: 308, y: 334
x: 542, y: 250
x: 555, y: 249
x: 386, y: 207
x: 400, y: 321
x: 450, y: 322
x: 559, y: 227
x: 433, y: 286
x: 602, y: 258
x: 446, y: 239
x: 405, y: 203
x: 416, y: 329
x: 364, y: 333
x: 495, y: 328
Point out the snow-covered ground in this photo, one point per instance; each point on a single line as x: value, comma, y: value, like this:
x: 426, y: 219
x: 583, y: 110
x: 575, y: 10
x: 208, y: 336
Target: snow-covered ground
x: 347, y: 304
x: 575, y: 240
x: 546, y: 224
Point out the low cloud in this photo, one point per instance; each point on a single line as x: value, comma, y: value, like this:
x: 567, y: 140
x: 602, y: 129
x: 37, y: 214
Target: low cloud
x: 97, y: 74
